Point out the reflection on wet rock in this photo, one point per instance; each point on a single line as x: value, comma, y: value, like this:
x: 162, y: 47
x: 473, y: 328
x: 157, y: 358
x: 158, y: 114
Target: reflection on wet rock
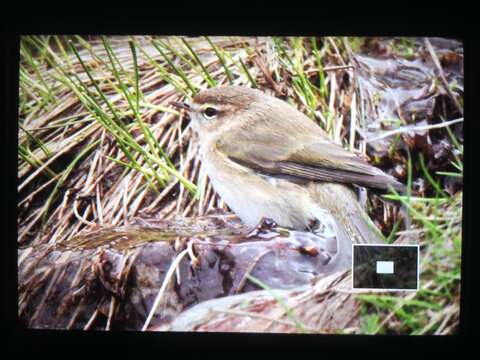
x: 116, y: 273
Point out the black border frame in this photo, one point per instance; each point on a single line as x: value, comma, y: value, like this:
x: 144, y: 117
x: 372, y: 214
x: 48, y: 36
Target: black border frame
x: 444, y: 22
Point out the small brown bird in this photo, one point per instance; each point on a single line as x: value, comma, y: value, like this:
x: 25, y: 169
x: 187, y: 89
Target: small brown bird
x: 266, y: 159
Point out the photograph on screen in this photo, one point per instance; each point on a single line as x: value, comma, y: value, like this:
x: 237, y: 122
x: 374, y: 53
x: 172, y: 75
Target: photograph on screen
x: 240, y: 184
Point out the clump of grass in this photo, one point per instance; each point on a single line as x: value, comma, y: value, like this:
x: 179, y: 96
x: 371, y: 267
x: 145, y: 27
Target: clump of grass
x: 434, y: 308
x: 118, y: 89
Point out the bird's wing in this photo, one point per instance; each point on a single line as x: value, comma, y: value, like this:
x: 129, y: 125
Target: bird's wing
x: 309, y: 155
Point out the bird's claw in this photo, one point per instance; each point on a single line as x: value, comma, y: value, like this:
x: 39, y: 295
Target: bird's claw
x: 266, y: 225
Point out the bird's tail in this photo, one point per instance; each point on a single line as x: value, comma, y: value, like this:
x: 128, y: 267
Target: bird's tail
x: 350, y: 222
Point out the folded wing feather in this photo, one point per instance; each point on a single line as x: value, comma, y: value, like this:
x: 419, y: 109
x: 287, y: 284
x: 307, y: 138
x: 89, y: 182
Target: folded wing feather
x: 309, y: 155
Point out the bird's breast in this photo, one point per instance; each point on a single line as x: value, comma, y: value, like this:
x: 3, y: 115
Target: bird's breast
x: 253, y: 196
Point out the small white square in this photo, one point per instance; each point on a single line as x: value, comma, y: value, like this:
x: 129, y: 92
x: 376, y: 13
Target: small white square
x: 384, y: 267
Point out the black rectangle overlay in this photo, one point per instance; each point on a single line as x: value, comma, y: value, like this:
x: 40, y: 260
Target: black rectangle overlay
x: 405, y: 267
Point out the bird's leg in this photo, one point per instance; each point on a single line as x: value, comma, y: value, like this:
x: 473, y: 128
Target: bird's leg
x: 309, y: 243
x: 265, y: 226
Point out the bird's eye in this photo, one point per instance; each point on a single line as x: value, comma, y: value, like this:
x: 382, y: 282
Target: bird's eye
x: 210, y: 112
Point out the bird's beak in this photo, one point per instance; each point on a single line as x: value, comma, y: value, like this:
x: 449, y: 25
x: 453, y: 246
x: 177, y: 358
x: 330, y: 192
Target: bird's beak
x: 181, y: 105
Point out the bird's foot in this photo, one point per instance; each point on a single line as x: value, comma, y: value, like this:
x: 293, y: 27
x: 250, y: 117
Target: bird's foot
x: 266, y: 226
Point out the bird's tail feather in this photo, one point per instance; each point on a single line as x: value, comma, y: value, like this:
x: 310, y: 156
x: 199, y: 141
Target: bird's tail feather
x: 348, y: 220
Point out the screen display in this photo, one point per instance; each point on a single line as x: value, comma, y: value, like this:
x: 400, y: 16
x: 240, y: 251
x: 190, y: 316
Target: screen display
x: 240, y: 184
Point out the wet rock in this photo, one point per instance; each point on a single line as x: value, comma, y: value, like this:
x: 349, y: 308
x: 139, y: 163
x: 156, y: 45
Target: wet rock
x: 110, y: 278
x: 325, y: 306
